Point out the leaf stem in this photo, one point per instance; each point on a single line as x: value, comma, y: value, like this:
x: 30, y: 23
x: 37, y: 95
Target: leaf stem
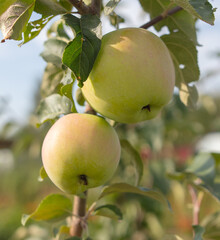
x: 196, y: 201
x: 162, y: 16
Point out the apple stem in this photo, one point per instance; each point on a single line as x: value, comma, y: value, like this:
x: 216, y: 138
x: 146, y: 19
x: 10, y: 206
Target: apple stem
x: 147, y: 107
x: 79, y: 211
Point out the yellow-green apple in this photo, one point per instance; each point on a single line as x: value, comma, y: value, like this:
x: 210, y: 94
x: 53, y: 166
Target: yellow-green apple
x: 132, y: 78
x: 80, y: 151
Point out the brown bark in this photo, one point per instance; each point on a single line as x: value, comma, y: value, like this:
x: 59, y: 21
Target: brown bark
x: 161, y: 17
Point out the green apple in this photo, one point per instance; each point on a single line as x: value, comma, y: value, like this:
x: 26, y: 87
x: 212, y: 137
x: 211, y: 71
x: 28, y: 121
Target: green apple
x: 133, y: 76
x: 80, y: 151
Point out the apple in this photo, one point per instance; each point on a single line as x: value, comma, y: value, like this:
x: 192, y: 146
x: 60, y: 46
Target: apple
x: 132, y: 78
x: 80, y: 151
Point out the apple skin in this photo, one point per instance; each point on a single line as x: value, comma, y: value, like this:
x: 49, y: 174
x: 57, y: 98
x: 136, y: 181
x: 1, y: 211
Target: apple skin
x: 132, y: 78
x: 80, y: 151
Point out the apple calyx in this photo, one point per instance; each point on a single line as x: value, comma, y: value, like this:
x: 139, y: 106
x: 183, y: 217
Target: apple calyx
x: 147, y: 107
x: 83, y: 179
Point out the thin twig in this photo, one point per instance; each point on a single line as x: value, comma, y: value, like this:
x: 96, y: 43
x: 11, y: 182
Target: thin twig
x: 161, y: 17
x: 5, y: 144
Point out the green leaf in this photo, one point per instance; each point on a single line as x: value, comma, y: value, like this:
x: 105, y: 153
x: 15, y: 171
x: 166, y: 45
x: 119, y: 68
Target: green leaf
x: 53, y: 51
x: 66, y: 90
x: 203, y: 167
x: 110, y: 6
x: 127, y: 188
x: 5, y: 4
x: 52, y: 107
x: 48, y: 9
x: 181, y: 21
x: 14, y: 20
x: 198, y: 232
x: 80, y: 54
x: 57, y: 29
x: 42, y: 174
x: 110, y: 211
x: 79, y: 97
x: 189, y: 95
x: 201, y: 9
x: 54, y: 207
x: 184, y: 55
x: 115, y: 19
x: 67, y: 87
x: 212, y: 226
x: 51, y: 80
x: 129, y: 152
x: 68, y: 77
x: 158, y: 172
x: 66, y: 4
x: 34, y: 28
x: 216, y: 156
x: 212, y: 189
x: 51, y: 7
x: 63, y: 232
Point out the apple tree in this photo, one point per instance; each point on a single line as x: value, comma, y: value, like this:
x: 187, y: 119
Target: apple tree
x: 126, y: 76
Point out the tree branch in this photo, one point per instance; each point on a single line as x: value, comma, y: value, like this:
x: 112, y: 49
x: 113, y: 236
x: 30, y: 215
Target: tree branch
x: 96, y: 6
x: 161, y: 17
x: 5, y: 144
x: 79, y: 211
x: 93, y: 8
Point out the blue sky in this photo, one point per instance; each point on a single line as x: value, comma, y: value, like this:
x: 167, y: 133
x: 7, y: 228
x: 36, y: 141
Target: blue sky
x: 21, y: 68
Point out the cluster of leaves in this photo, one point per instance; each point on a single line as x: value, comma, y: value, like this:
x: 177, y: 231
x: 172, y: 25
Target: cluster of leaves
x: 15, y: 17
x: 61, y: 53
